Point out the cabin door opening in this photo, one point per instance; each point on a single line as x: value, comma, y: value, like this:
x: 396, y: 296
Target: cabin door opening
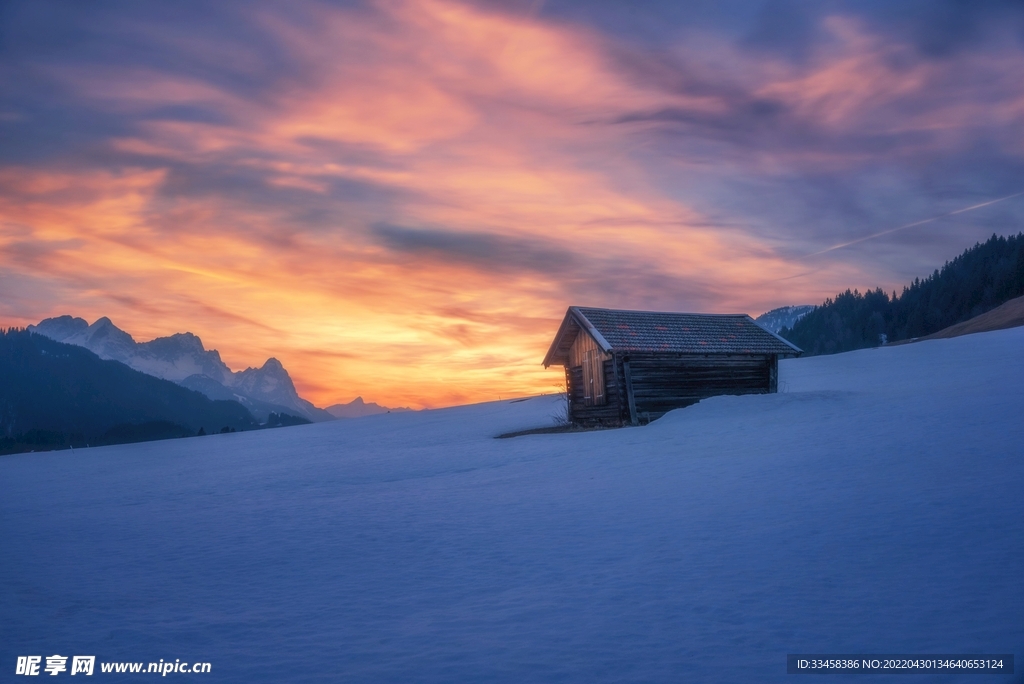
x: 593, y: 377
x: 586, y: 355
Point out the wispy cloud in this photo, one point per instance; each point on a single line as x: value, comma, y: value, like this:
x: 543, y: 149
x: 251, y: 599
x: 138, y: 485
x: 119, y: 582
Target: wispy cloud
x: 399, y: 198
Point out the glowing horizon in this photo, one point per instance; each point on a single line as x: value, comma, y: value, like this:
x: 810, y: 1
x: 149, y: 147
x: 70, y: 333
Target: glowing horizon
x: 399, y: 199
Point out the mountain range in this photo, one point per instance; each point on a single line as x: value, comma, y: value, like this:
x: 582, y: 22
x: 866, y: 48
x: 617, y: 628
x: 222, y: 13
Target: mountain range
x: 182, y: 358
x: 55, y: 395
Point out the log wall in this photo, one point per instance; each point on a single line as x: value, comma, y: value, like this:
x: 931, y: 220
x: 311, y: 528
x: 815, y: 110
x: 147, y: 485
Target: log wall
x: 662, y: 382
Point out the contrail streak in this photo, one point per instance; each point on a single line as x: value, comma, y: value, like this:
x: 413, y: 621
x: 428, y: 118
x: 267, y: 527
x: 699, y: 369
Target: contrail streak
x: 911, y: 225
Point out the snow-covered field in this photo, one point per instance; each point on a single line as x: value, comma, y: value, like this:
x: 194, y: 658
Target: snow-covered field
x: 874, y: 506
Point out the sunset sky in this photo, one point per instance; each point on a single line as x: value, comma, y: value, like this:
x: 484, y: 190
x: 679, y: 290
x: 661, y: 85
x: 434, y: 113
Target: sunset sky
x: 399, y: 199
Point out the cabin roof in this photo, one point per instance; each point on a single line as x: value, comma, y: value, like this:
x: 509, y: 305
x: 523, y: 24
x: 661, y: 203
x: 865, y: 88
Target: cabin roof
x: 652, y: 331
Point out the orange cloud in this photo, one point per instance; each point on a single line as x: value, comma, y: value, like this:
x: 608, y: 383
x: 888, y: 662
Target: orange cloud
x: 409, y: 222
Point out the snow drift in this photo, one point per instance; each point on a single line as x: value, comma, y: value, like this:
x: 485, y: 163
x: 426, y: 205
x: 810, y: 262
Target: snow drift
x: 873, y: 505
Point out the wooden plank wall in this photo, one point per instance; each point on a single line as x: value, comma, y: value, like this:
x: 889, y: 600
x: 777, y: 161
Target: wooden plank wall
x: 664, y: 382
x: 609, y: 413
x: 586, y: 353
x: 582, y: 344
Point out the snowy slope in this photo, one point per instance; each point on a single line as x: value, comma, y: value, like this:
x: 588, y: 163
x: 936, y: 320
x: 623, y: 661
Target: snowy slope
x: 874, y: 506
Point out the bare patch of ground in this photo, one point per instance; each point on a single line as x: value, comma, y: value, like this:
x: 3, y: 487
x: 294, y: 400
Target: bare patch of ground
x: 552, y: 430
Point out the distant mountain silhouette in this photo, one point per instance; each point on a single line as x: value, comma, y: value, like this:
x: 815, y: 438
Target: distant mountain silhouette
x: 54, y: 395
x: 357, y: 408
x: 181, y: 358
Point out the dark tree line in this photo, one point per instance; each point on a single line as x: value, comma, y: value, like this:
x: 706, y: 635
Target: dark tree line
x: 979, y: 280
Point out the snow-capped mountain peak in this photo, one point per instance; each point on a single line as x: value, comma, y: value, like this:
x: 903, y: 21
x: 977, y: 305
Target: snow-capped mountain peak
x: 61, y: 327
x: 783, y: 317
x: 271, y: 382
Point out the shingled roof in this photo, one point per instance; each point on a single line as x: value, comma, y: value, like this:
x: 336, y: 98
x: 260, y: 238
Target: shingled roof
x: 651, y: 331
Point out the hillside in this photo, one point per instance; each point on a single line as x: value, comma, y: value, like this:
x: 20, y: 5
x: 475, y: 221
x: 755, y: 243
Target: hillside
x: 873, y: 507
x: 55, y: 395
x: 982, y: 278
x: 1008, y: 315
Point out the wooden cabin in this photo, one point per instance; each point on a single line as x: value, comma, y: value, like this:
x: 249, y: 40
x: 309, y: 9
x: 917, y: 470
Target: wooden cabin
x: 630, y: 367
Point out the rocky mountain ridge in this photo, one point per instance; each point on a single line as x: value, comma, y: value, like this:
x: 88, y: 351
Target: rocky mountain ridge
x: 182, y: 358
